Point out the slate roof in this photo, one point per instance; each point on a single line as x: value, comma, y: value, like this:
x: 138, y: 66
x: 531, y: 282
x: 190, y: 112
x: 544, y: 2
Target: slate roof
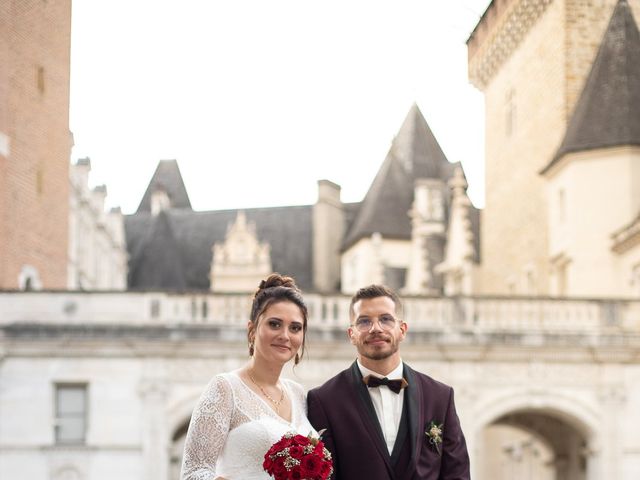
x: 414, y: 153
x: 157, y: 259
x: 607, y: 113
x: 167, y: 177
x: 173, y: 250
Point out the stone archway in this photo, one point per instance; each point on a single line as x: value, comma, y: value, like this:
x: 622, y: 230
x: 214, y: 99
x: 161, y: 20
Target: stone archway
x: 536, y: 423
x: 533, y: 444
x: 67, y: 473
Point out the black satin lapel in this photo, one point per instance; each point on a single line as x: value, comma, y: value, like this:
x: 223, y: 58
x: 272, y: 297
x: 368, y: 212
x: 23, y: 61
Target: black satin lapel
x: 368, y: 413
x: 414, y: 395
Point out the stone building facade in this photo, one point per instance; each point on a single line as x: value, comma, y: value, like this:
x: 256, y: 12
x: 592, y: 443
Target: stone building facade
x: 97, y: 250
x: 524, y: 55
x: 102, y: 385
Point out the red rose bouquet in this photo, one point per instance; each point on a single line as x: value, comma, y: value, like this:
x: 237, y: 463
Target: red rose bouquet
x: 295, y: 457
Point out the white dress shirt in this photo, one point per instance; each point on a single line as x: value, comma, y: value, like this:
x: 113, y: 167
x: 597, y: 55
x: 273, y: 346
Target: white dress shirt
x: 387, y: 404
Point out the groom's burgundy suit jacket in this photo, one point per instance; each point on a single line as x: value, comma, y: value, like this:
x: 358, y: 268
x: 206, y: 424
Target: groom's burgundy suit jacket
x: 353, y: 435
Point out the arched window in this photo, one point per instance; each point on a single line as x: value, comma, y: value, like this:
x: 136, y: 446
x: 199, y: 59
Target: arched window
x: 29, y: 278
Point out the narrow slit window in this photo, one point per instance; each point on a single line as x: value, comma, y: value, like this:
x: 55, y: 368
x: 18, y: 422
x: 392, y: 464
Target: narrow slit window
x: 40, y: 79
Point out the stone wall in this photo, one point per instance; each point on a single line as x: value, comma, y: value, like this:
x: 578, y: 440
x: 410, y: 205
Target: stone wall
x: 531, y: 60
x: 529, y: 363
x: 34, y: 131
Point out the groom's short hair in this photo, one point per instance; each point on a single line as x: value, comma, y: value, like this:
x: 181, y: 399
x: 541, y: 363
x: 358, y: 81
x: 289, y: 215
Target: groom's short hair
x: 375, y: 291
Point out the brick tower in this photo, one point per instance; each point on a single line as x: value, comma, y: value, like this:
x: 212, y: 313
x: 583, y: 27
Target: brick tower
x: 35, y: 142
x: 530, y: 58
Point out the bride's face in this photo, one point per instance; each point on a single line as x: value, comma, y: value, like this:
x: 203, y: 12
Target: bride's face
x: 279, y: 332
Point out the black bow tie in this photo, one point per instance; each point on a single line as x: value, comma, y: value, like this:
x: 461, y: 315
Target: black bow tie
x: 372, y: 381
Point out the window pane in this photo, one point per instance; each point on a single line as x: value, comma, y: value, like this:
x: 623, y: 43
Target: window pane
x: 70, y: 430
x: 70, y: 400
x: 71, y: 411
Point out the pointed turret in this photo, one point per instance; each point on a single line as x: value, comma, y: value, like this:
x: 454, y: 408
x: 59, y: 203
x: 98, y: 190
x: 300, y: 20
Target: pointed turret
x: 606, y: 114
x: 167, y: 180
x: 414, y: 153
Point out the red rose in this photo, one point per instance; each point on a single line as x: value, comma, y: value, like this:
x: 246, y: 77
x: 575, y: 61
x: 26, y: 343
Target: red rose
x: 283, y: 443
x: 272, y: 451
x: 319, y: 449
x: 296, y: 451
x: 279, y: 471
x: 325, y: 470
x: 311, y: 466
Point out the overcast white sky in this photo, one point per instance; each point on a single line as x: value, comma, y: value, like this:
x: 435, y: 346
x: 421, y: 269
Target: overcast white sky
x: 258, y: 100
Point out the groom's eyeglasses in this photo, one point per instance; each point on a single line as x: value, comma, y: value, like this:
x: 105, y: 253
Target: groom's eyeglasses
x: 386, y: 322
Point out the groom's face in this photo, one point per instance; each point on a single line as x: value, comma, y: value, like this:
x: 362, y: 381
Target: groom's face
x: 376, y: 343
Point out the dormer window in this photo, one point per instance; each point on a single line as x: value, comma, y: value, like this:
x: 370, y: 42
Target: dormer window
x: 241, y: 261
x: 160, y: 201
x: 428, y: 201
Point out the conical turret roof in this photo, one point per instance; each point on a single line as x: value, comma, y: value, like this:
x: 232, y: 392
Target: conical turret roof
x: 168, y: 178
x: 414, y: 153
x: 607, y: 113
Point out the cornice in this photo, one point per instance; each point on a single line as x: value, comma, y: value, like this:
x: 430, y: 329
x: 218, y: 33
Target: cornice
x: 488, y: 52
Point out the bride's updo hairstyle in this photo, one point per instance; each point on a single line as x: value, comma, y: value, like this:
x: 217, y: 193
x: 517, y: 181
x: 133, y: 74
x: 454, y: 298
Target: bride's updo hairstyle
x: 276, y: 288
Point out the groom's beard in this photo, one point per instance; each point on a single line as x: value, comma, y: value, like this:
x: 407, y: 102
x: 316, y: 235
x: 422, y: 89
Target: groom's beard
x: 379, y: 355
x: 372, y: 353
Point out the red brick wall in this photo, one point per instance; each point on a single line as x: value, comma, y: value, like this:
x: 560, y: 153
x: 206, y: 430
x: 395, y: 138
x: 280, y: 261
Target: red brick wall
x: 34, y: 185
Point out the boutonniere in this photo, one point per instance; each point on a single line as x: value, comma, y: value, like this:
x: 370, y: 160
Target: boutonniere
x: 434, y: 434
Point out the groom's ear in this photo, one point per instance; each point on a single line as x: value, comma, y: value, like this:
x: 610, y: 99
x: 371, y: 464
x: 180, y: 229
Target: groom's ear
x: 350, y: 334
x: 403, y: 328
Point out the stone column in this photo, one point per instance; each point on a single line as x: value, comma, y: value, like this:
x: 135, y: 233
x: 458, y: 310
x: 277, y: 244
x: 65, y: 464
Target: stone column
x: 155, y: 437
x: 328, y: 233
x: 427, y: 234
x: 609, y: 447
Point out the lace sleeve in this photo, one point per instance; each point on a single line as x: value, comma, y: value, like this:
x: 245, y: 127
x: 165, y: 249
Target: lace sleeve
x: 208, y: 431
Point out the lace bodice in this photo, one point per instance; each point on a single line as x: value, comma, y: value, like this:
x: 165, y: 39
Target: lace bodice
x: 232, y: 428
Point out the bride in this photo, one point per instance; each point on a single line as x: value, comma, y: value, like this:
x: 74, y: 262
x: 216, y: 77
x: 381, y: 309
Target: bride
x: 242, y: 413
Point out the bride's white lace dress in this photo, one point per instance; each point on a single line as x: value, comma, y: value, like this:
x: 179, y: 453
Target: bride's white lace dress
x: 232, y: 428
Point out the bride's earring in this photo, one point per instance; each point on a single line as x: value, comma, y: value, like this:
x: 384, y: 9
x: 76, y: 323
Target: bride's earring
x: 251, y: 349
x: 296, y: 360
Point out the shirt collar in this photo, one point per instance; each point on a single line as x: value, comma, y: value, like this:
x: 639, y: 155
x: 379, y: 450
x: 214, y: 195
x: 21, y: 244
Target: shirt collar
x: 394, y: 374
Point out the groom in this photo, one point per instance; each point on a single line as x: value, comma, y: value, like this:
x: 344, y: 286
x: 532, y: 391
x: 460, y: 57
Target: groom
x: 383, y: 419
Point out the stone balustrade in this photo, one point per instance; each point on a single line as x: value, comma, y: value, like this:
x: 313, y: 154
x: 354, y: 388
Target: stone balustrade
x: 326, y: 312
